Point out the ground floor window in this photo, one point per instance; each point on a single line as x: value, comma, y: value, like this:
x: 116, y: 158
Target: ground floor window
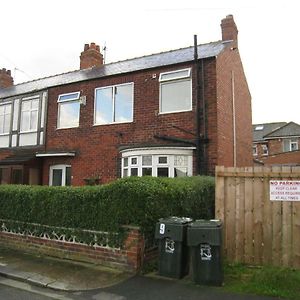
x: 4, y: 175
x: 11, y: 175
x: 60, y: 175
x: 158, y: 162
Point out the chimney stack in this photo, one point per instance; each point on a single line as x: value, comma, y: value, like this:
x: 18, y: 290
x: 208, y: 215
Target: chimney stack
x: 91, y: 56
x: 6, y: 79
x: 229, y: 30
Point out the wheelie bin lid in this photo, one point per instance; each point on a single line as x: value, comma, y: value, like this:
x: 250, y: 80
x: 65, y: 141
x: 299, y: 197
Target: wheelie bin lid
x: 174, y: 228
x: 205, y: 232
x: 206, y: 223
x: 175, y: 220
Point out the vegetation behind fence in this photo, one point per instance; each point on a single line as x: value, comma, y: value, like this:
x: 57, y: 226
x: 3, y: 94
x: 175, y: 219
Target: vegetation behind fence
x: 256, y: 230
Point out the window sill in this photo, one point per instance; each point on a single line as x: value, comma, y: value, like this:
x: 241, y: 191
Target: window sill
x: 60, y: 128
x: 175, y: 112
x: 24, y: 132
x: 114, y: 123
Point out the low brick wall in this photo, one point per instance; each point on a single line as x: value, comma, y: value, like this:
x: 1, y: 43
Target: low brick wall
x: 129, y: 257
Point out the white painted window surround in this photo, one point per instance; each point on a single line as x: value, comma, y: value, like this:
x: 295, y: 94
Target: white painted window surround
x: 60, y: 175
x: 68, y: 110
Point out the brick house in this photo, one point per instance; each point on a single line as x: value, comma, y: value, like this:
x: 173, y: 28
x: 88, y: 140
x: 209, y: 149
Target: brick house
x: 175, y: 113
x: 276, y: 143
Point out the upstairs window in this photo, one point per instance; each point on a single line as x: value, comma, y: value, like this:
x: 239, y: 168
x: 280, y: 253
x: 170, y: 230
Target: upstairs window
x: 265, y: 150
x: 254, y: 150
x: 114, y: 104
x: 29, y: 115
x: 5, y: 118
x: 68, y: 110
x: 294, y: 145
x: 290, y: 145
x: 175, y: 91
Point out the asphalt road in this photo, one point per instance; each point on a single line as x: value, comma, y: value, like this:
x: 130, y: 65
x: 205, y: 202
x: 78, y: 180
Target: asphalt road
x: 11, y: 293
x: 136, y: 288
x: 16, y: 290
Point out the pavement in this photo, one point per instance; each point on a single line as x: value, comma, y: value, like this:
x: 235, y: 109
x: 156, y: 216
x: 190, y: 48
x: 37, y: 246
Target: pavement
x: 87, y: 281
x: 56, y: 273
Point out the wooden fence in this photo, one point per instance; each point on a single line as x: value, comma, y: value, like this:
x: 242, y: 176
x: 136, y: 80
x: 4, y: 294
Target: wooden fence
x: 256, y: 230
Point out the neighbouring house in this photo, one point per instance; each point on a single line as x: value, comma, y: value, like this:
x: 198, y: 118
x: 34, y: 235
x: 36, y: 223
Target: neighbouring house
x: 276, y: 143
x: 175, y: 113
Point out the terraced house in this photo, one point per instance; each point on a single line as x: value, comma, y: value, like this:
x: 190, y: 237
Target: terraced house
x: 175, y: 113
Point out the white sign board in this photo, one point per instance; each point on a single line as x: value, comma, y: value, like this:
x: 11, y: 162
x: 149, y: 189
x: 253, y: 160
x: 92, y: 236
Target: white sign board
x: 284, y: 190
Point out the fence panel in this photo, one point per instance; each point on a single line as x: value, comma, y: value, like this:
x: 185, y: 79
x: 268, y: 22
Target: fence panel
x: 256, y: 230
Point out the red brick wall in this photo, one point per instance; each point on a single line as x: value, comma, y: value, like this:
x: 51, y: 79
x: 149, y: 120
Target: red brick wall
x: 5, y: 153
x: 98, y: 146
x: 292, y: 158
x: 129, y: 258
x: 227, y: 62
x: 275, y: 149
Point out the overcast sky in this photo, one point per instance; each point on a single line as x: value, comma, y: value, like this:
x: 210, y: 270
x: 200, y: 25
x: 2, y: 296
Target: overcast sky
x: 43, y: 38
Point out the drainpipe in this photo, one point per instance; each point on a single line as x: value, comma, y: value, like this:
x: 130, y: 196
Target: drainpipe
x: 233, y: 118
x: 204, y: 117
x: 197, y: 116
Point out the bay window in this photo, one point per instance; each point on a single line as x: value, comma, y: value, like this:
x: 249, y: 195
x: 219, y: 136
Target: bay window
x: 157, y: 162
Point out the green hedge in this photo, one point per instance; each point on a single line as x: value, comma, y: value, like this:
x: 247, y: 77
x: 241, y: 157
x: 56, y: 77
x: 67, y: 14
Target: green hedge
x: 129, y: 201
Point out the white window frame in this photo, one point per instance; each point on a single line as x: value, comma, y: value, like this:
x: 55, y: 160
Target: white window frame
x: 265, y: 150
x: 254, y: 150
x: 10, y: 120
x: 288, y: 142
x: 113, y: 103
x: 31, y: 110
x: 161, y: 79
x: 295, y: 142
x: 156, y: 152
x: 60, y: 102
x: 174, y: 80
x: 58, y: 167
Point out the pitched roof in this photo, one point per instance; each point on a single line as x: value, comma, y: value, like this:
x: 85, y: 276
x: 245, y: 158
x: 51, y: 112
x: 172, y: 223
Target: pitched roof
x: 261, y: 130
x: 287, y: 130
x: 131, y: 65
